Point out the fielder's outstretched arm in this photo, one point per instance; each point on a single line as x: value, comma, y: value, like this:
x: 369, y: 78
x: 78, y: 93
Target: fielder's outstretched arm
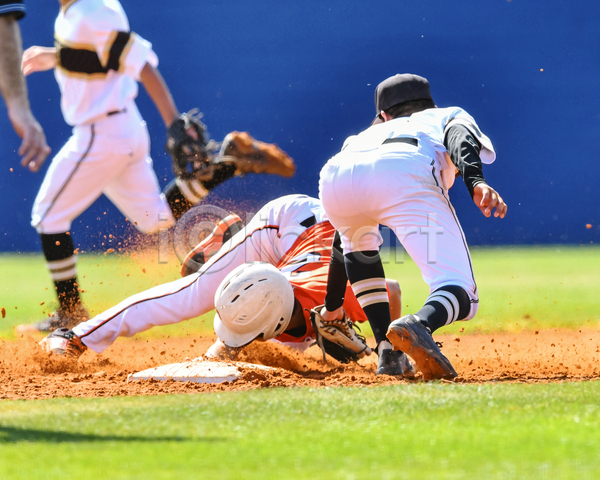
x: 160, y: 94
x: 464, y: 150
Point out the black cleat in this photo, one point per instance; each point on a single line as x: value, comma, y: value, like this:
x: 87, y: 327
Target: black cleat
x: 394, y: 362
x: 409, y: 335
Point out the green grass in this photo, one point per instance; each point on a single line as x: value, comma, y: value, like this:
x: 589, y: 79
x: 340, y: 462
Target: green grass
x: 419, y: 431
x: 105, y: 279
x: 520, y: 288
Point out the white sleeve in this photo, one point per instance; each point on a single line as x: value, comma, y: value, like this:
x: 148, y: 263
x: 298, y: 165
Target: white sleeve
x: 139, y: 54
x: 117, y: 47
x: 348, y: 140
x: 460, y: 117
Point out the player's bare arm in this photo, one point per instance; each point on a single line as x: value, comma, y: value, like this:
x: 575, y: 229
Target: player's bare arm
x: 38, y: 59
x: 395, y: 297
x: 33, y: 149
x: 159, y: 93
x: 487, y: 199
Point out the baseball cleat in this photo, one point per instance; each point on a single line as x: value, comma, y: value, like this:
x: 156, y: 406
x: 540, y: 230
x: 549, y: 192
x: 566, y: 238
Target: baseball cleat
x: 409, y: 335
x: 59, y: 319
x: 251, y: 156
x: 63, y: 342
x: 223, y: 231
x: 394, y: 362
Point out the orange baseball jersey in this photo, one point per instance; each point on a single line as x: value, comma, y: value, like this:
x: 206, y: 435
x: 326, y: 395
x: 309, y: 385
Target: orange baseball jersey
x: 306, y: 266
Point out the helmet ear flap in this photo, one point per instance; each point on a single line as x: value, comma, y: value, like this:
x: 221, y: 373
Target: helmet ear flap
x: 254, y: 300
x: 281, y: 326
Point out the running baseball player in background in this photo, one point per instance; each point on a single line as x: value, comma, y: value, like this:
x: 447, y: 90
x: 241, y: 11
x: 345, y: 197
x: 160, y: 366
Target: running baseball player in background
x: 267, y: 280
x: 397, y: 173
x: 98, y: 62
x: 33, y: 149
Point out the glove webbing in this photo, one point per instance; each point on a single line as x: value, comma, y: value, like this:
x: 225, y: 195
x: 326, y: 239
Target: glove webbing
x: 331, y: 326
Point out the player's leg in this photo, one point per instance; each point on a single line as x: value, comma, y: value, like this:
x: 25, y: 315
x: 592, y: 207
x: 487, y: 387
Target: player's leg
x: 137, y: 195
x: 446, y: 267
x: 433, y: 238
x: 182, y: 195
x: 342, y: 191
x: 182, y: 299
x: 365, y: 272
x: 135, y: 191
x: 239, y: 154
x: 345, y: 190
x: 427, y: 227
x: 166, y: 304
x: 72, y: 183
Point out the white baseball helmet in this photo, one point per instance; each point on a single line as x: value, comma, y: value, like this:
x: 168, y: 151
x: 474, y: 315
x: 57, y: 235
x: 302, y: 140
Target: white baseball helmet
x: 254, y: 299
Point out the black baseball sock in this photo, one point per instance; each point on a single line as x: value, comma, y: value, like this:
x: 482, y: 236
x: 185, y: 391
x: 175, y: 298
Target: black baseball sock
x: 182, y: 195
x: 221, y: 173
x: 61, y: 261
x: 176, y: 199
x: 444, y: 306
x: 366, y: 275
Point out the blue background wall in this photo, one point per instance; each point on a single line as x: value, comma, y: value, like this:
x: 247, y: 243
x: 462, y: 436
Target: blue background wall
x: 302, y: 74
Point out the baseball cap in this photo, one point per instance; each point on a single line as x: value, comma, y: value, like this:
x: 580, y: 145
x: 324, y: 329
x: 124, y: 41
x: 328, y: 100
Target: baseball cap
x: 402, y: 87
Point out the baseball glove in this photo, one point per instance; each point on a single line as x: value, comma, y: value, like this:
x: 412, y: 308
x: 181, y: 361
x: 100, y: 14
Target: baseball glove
x: 337, y: 338
x: 252, y: 156
x: 186, y: 144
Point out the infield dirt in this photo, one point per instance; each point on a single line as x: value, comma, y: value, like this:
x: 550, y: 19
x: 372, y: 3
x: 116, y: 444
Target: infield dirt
x: 545, y: 356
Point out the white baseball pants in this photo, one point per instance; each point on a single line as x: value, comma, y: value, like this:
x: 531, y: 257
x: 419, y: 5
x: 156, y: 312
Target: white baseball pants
x: 111, y: 157
x: 404, y: 193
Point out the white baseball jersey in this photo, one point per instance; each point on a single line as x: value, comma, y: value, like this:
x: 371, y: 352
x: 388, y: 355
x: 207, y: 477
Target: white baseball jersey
x: 98, y: 59
x: 98, y: 63
x: 266, y: 238
x: 397, y: 174
x: 429, y: 127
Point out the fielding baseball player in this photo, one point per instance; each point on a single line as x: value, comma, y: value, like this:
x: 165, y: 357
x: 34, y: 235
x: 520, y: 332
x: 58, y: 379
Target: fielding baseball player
x: 266, y: 281
x: 33, y: 149
x: 397, y: 173
x: 98, y: 62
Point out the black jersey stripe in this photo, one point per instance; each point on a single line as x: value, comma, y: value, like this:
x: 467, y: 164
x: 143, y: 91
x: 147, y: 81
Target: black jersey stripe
x: 117, y: 48
x: 409, y: 140
x: 84, y: 61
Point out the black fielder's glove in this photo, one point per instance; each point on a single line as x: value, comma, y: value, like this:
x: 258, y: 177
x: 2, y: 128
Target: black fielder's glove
x: 186, y: 144
x: 337, y: 338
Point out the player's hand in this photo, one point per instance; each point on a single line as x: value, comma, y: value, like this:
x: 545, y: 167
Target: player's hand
x: 335, y: 315
x: 487, y: 199
x: 220, y: 351
x: 33, y: 150
x: 38, y: 59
